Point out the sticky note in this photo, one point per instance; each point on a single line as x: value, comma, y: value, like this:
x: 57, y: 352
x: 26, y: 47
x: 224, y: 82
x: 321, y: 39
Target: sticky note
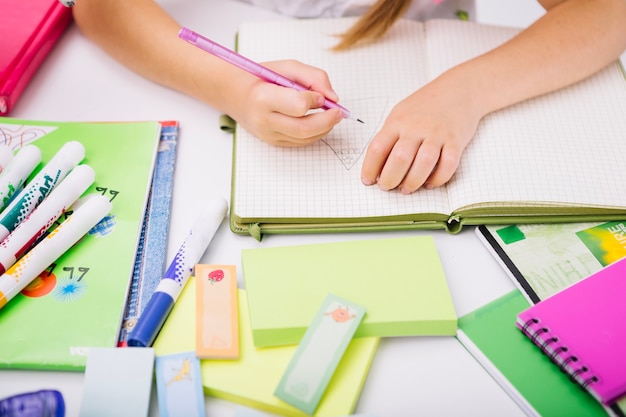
x: 217, y: 317
x: 319, y: 353
x: 179, y: 385
x: 400, y: 281
x: 118, y: 382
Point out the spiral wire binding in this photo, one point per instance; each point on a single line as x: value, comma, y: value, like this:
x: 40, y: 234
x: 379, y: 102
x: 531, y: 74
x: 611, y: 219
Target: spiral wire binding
x: 555, y: 354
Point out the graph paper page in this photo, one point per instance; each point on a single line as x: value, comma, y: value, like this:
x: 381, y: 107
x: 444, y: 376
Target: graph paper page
x: 566, y: 147
x: 323, y: 180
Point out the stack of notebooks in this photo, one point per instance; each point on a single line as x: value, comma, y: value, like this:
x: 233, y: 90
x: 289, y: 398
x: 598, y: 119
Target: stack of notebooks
x: 79, y: 301
x: 398, y: 281
x: 565, y: 355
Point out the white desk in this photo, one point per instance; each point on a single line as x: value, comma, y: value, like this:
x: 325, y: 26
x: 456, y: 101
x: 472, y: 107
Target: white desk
x: 409, y: 376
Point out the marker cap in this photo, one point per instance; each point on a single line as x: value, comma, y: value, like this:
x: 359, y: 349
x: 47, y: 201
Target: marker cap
x: 153, y: 317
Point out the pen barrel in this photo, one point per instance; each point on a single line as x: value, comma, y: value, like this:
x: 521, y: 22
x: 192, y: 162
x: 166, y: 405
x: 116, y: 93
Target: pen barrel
x: 249, y: 65
x: 91, y: 210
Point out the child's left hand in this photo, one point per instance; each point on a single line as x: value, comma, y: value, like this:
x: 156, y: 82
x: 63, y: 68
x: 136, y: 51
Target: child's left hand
x: 422, y: 140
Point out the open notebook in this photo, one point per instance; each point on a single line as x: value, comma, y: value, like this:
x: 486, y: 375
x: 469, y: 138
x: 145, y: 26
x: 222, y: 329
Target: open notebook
x: 553, y: 158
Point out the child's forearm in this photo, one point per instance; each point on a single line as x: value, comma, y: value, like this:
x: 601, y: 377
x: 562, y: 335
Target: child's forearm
x: 144, y: 37
x: 573, y: 40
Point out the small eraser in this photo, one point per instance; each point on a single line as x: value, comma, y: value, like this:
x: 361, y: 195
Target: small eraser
x: 319, y: 353
x: 179, y: 385
x: 217, y: 312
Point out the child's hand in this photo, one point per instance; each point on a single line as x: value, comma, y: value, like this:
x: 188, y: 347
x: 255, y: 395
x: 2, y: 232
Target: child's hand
x: 421, y: 142
x: 284, y: 116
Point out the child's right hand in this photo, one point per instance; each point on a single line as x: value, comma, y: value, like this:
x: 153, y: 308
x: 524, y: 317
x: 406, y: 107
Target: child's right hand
x: 283, y: 116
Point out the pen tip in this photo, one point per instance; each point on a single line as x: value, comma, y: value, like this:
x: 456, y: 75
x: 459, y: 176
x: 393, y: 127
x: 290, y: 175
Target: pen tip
x: 360, y: 121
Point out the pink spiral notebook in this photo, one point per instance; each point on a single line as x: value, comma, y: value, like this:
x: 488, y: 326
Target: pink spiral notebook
x: 29, y: 30
x: 583, y: 331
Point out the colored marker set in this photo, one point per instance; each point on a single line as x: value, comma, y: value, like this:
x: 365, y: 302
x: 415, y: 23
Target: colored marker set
x: 30, y: 208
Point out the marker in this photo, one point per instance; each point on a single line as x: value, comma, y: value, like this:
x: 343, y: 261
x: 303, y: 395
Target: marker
x: 252, y: 67
x: 6, y: 155
x: 41, y: 219
x: 169, y: 288
x: 87, y: 212
x: 45, y: 402
x: 66, y: 158
x: 15, y: 174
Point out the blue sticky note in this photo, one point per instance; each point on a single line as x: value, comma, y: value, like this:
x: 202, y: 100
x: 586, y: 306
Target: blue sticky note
x: 179, y: 385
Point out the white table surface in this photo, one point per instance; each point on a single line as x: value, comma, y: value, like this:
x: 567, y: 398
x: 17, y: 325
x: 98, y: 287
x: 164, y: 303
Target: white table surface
x: 409, y: 376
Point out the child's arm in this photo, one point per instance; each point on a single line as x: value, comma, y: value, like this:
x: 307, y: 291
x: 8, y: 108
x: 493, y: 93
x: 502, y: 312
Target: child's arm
x: 142, y: 36
x: 423, y: 138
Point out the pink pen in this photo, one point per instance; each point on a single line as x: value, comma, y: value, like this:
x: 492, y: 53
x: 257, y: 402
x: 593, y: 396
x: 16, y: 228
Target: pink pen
x: 252, y: 67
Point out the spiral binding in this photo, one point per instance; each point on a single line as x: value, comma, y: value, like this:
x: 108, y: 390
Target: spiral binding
x: 558, y: 354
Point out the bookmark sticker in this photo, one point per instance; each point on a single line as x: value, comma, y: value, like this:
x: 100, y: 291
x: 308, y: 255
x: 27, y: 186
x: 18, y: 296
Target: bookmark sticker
x: 319, y: 353
x: 217, y: 317
x: 179, y: 385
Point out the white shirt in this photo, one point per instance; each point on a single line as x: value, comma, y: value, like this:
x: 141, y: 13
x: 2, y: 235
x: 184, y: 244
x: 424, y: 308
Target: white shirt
x: 419, y: 9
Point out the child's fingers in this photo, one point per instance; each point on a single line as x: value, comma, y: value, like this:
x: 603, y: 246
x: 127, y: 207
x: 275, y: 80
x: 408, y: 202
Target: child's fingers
x: 294, y: 103
x: 446, y: 167
x: 298, y: 131
x: 309, y: 77
x: 421, y: 168
x: 376, y: 156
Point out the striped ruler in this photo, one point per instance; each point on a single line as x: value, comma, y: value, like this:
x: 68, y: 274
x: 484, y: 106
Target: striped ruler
x: 152, y: 247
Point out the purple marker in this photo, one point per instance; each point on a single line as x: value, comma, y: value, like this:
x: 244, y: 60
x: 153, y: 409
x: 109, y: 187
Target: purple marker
x: 252, y: 67
x: 170, y: 286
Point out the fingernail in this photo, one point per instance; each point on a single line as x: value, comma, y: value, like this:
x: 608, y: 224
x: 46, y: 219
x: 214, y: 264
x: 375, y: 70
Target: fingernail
x: 429, y: 186
x: 320, y: 101
x: 365, y: 181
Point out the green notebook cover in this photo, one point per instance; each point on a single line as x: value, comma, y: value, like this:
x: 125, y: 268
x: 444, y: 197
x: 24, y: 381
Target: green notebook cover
x: 537, y: 385
x: 399, y: 281
x: 79, y: 300
x: 252, y: 379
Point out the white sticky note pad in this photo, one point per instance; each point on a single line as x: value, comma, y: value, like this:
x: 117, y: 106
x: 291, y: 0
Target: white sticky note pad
x: 118, y: 382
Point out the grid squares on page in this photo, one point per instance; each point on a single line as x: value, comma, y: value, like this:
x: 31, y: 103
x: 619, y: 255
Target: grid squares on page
x: 540, y: 159
x: 322, y: 180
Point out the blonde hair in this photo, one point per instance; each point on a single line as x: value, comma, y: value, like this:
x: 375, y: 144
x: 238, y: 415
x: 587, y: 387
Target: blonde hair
x: 373, y: 24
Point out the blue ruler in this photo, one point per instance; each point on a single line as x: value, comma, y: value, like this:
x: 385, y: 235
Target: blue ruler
x: 152, y: 247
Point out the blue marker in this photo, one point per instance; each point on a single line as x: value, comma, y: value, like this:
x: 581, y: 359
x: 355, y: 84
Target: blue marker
x: 176, y: 276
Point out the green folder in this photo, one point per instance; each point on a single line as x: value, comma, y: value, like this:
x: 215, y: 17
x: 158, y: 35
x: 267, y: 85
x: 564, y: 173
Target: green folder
x: 78, y: 302
x: 399, y: 281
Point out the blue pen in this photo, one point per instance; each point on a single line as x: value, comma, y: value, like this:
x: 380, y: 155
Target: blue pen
x: 177, y: 274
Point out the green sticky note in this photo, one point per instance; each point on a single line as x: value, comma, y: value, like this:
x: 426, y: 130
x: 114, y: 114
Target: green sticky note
x: 399, y: 281
x: 319, y: 353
